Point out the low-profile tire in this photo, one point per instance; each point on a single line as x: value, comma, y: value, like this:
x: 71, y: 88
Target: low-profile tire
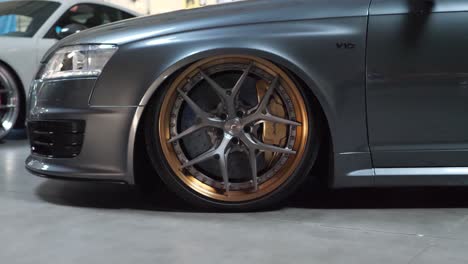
x: 232, y: 133
x: 10, y: 101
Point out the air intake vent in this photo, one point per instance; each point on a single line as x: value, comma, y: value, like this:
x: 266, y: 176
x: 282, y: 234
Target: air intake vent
x: 56, y: 139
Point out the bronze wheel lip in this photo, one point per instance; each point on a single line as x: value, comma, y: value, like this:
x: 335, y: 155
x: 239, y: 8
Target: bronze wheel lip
x: 281, y: 175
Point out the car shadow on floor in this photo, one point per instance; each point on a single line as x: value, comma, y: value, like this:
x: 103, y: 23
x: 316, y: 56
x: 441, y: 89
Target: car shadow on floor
x: 108, y: 196
x: 383, y: 198
x: 120, y: 196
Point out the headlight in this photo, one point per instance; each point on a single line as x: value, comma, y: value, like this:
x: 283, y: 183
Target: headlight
x: 78, y: 61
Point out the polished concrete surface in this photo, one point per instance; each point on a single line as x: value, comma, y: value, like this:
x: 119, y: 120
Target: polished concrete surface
x: 50, y: 221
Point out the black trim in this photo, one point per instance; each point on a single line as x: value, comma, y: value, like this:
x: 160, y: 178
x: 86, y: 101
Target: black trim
x: 56, y: 139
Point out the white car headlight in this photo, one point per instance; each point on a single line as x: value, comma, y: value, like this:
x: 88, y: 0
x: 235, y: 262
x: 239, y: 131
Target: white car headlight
x: 78, y: 61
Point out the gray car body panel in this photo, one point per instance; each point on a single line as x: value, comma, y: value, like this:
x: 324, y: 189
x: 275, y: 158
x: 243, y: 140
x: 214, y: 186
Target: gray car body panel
x: 226, y: 15
x: 105, y: 127
x: 417, y: 91
x: 322, y: 42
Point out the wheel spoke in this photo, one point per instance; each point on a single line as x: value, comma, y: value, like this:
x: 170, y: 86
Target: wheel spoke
x: 216, y: 87
x: 277, y: 119
x: 205, y: 119
x: 7, y: 106
x: 205, y: 156
x: 265, y: 147
x: 261, y: 112
x: 198, y: 111
x: 241, y: 80
x: 221, y: 153
x: 223, y: 165
x: 266, y: 99
x: 255, y: 144
x: 218, y: 151
x: 253, y: 167
x: 188, y: 131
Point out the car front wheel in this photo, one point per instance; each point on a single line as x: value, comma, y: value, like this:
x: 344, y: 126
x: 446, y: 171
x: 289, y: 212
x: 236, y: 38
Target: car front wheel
x: 232, y: 133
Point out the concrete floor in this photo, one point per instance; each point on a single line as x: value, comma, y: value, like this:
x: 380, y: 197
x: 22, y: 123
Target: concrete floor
x: 49, y: 221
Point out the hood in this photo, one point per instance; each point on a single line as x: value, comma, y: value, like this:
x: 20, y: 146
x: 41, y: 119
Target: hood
x: 224, y: 15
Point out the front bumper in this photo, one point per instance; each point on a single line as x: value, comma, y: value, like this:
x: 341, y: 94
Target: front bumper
x: 97, y: 149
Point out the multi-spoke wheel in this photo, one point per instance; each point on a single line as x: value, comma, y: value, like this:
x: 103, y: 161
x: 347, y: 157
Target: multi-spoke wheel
x: 9, y: 98
x: 232, y: 132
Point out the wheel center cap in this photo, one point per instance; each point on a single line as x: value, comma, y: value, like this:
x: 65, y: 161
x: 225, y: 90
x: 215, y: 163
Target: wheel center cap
x: 233, y: 127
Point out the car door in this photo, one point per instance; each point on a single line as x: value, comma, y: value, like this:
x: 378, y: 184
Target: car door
x: 86, y: 15
x: 417, y: 90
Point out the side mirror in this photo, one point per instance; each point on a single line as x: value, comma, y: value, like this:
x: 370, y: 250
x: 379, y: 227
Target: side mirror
x: 70, y: 30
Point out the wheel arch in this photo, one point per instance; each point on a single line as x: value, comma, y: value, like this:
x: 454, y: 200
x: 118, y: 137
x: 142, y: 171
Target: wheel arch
x: 322, y: 106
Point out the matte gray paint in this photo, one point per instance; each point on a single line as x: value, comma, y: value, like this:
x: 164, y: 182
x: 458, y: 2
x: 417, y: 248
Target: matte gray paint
x: 301, y: 36
x: 191, y: 46
x: 155, y: 47
x: 103, y: 155
x: 392, y: 7
x: 418, y: 84
x: 241, y: 13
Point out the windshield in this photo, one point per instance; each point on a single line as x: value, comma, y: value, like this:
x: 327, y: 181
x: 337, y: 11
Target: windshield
x: 24, y: 18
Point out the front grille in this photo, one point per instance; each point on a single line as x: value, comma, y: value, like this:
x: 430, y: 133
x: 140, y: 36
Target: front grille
x: 56, y: 139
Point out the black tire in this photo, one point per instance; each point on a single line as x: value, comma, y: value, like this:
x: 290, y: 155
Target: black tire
x: 8, y: 81
x: 271, y: 200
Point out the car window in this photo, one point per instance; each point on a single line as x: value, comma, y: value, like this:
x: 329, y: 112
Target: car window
x: 88, y: 16
x: 112, y: 15
x: 24, y: 18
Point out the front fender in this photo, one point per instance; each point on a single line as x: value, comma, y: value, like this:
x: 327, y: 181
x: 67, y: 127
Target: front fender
x: 312, y: 50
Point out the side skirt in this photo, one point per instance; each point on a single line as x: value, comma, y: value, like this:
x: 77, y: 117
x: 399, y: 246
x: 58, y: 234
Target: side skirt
x: 354, y: 170
x: 429, y: 176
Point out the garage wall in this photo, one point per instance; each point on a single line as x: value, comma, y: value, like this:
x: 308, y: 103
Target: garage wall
x: 162, y: 6
x: 137, y: 5
x: 199, y: 3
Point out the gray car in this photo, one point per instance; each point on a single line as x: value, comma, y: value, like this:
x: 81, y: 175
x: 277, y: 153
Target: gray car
x: 232, y: 105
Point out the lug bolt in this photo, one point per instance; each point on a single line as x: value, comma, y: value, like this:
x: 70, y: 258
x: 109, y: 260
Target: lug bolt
x: 248, y: 129
x: 235, y: 141
x: 223, y: 116
x: 240, y: 114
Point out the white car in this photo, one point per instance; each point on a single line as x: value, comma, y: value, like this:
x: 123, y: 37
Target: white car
x: 27, y: 30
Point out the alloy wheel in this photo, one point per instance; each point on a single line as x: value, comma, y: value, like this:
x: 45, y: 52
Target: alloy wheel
x: 233, y: 128
x: 9, y: 99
